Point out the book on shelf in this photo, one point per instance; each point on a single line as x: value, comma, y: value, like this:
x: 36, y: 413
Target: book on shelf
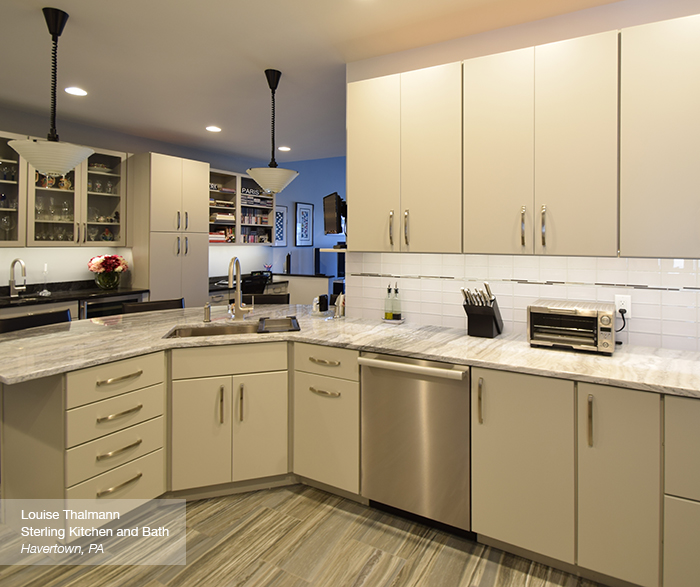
x: 224, y: 190
x: 222, y: 203
x: 223, y: 218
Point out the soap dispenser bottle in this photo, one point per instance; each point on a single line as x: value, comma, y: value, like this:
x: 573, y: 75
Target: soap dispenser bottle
x: 388, y: 305
x: 396, y: 304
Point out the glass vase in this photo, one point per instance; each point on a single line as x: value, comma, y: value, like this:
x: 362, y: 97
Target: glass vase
x: 107, y: 280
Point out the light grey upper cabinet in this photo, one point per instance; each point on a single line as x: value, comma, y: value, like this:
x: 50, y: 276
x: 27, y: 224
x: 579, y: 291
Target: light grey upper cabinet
x: 660, y: 125
x: 576, y: 142
x: 540, y: 149
x: 404, y: 162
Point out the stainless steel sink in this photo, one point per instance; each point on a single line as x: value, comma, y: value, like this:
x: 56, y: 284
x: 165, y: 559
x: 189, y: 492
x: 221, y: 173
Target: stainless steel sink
x: 263, y: 325
x: 216, y: 330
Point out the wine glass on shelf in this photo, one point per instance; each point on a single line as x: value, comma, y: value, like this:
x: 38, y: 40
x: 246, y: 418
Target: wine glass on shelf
x: 92, y: 232
x: 7, y: 224
x: 40, y: 207
x: 52, y: 209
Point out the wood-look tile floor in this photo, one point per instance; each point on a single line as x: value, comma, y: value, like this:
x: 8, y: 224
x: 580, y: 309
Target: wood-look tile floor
x: 302, y: 537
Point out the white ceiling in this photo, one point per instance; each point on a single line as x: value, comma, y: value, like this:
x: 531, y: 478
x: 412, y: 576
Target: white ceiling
x: 165, y: 69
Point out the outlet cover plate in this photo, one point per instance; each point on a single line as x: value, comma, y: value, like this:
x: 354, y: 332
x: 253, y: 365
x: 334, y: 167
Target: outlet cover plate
x: 622, y: 301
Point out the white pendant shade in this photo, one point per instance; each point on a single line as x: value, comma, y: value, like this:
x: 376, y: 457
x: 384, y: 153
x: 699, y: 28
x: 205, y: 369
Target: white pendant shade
x: 272, y: 179
x: 51, y: 157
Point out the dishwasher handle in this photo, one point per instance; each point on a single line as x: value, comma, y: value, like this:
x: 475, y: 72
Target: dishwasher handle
x: 455, y: 374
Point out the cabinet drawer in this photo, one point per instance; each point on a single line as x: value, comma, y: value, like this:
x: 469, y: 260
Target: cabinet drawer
x: 682, y: 442
x: 90, y: 422
x: 229, y: 360
x: 331, y: 361
x: 101, y: 455
x: 327, y: 430
x: 681, y: 542
x: 143, y: 478
x: 97, y: 383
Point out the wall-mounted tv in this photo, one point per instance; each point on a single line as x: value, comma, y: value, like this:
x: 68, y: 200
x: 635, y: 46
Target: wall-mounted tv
x: 334, y: 211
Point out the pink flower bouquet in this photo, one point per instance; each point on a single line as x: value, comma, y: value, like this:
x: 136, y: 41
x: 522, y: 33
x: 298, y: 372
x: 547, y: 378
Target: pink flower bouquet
x: 107, y: 264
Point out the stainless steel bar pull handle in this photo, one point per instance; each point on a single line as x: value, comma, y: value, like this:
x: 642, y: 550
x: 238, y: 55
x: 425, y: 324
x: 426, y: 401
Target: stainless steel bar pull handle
x: 84, y: 231
x: 187, y: 219
x: 324, y: 392
x: 480, y: 400
x: 391, y: 228
x: 544, y: 226
x: 241, y: 391
x: 590, y: 420
x: 522, y: 226
x: 405, y: 226
x: 119, y: 379
x: 221, y: 405
x: 178, y: 219
x: 77, y: 232
x: 114, y: 453
x: 113, y: 489
x: 187, y: 245
x: 119, y: 414
x: 325, y: 362
x: 178, y: 246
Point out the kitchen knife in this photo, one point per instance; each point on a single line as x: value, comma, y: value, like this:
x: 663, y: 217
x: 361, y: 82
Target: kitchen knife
x: 488, y: 291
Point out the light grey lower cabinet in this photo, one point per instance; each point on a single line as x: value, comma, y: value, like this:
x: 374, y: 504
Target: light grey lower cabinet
x: 232, y: 426
x: 682, y: 491
x: 569, y: 471
x: 96, y: 433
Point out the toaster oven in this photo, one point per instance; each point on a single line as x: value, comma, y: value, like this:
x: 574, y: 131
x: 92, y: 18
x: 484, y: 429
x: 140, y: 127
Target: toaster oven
x: 579, y: 326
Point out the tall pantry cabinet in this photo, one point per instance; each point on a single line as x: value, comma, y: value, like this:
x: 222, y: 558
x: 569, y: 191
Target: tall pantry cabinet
x: 170, y: 214
x: 402, y: 129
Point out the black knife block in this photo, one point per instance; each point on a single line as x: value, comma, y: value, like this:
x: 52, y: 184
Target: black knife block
x: 484, y: 321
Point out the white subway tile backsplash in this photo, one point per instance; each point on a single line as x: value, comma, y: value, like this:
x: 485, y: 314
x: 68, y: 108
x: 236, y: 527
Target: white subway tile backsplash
x: 665, y: 292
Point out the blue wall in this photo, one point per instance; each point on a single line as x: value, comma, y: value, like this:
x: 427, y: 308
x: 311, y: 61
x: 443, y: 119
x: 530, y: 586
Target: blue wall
x: 317, y: 178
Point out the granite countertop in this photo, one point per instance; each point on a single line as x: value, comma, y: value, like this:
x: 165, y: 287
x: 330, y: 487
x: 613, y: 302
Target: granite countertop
x: 62, y: 292
x: 60, y: 348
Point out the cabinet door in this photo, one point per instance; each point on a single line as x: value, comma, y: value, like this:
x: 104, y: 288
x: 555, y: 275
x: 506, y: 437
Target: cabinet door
x: 165, y: 262
x: 374, y: 164
x: 681, y: 523
x: 166, y: 193
x: 201, y: 432
x: 54, y: 203
x: 576, y: 103
x: 499, y: 118
x: 260, y: 425
x: 327, y: 430
x: 660, y: 123
x: 431, y: 159
x: 13, y: 201
x: 619, y: 482
x: 523, y: 461
x: 195, y: 196
x: 682, y: 447
x: 194, y: 256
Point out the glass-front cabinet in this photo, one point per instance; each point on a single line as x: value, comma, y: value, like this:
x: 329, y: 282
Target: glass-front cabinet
x: 13, y: 187
x: 83, y: 208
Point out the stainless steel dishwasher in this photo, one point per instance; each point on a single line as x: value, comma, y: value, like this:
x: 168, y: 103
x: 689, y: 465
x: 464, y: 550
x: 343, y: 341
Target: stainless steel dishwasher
x: 415, y: 437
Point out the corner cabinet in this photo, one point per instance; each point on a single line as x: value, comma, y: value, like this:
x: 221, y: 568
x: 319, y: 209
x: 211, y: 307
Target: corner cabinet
x: 169, y: 220
x: 13, y: 194
x: 399, y: 127
x: 540, y: 149
x: 86, y: 207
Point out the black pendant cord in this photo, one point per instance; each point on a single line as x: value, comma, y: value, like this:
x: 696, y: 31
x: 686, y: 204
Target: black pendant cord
x: 54, y: 77
x: 273, y: 163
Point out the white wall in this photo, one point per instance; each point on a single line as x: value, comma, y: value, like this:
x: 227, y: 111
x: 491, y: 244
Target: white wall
x: 64, y: 264
x: 665, y: 292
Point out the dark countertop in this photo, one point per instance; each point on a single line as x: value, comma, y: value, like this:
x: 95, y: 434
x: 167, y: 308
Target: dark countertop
x: 221, y: 283
x: 66, y: 291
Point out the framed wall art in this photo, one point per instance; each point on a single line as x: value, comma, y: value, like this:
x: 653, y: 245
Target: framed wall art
x: 280, y: 226
x: 304, y: 225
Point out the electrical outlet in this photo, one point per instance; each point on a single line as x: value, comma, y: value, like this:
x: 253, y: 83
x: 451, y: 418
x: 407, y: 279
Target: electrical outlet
x: 624, y: 303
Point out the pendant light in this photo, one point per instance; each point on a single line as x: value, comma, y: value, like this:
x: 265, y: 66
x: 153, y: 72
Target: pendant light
x: 272, y: 179
x: 51, y: 157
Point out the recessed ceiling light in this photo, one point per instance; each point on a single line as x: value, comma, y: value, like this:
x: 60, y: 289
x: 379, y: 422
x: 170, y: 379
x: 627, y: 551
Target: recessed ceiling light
x: 284, y: 148
x: 213, y: 129
x: 76, y: 91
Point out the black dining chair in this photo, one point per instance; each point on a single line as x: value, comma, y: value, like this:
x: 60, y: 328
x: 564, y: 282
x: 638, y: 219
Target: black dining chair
x: 32, y: 320
x: 134, y: 307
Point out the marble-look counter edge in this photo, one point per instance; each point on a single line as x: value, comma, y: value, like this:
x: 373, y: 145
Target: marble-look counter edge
x: 59, y: 349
